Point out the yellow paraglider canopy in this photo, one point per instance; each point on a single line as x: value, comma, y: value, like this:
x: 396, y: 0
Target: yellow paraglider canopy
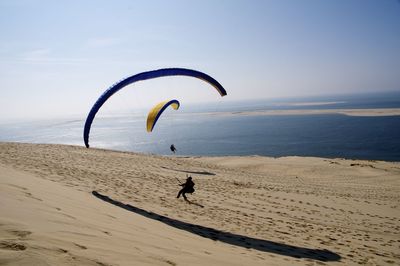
x: 156, y: 112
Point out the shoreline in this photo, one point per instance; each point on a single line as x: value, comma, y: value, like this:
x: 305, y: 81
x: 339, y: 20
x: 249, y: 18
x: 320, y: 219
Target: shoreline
x: 345, y: 111
x: 373, y: 112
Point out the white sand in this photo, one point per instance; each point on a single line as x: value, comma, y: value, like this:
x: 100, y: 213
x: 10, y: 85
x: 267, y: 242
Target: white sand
x: 257, y: 210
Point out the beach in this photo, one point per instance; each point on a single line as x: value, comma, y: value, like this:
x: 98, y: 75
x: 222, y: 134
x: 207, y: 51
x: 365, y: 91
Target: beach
x: 68, y: 205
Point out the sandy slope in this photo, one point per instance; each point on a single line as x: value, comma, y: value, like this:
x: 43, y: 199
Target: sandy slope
x: 257, y: 210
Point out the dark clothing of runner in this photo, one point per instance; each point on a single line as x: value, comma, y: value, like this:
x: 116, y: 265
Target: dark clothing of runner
x: 173, y: 149
x: 187, y: 187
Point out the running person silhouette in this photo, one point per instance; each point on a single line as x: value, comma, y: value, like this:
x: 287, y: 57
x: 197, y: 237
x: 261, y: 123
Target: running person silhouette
x: 187, y: 187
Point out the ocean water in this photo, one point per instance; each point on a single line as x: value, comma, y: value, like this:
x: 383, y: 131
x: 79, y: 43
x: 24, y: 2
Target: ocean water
x: 196, y: 132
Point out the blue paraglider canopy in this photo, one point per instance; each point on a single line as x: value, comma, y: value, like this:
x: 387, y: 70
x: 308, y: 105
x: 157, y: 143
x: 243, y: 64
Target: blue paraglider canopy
x: 144, y: 76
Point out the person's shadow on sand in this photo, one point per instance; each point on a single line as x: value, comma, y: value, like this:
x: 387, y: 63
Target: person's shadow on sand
x: 194, y: 203
x: 230, y: 238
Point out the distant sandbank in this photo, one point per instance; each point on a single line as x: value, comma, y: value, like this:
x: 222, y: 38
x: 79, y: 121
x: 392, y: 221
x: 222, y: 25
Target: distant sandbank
x: 349, y: 112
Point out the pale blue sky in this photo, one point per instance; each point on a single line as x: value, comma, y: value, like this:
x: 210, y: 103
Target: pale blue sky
x: 57, y: 57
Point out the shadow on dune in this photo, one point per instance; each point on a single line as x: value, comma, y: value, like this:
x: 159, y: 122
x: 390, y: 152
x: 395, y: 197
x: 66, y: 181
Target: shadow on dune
x: 230, y: 238
x: 194, y: 203
x: 190, y: 172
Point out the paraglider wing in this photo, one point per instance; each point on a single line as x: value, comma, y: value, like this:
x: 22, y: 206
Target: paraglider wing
x: 156, y: 112
x: 144, y: 76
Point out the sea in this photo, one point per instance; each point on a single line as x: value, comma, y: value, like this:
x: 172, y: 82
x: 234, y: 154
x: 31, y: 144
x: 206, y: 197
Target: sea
x: 220, y: 129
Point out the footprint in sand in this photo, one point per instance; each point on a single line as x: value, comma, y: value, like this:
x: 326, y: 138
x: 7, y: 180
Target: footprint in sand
x: 10, y: 245
x: 80, y: 246
x: 12, y: 185
x: 20, y: 233
x: 29, y: 195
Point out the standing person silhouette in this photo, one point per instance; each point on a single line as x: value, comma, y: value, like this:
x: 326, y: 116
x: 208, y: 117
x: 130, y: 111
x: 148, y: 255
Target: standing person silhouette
x: 187, y: 187
x: 172, y: 147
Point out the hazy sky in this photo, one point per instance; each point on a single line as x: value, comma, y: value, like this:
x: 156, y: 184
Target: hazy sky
x: 57, y: 57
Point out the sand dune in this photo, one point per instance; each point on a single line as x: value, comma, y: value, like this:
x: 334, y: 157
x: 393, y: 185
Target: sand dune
x: 68, y: 205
